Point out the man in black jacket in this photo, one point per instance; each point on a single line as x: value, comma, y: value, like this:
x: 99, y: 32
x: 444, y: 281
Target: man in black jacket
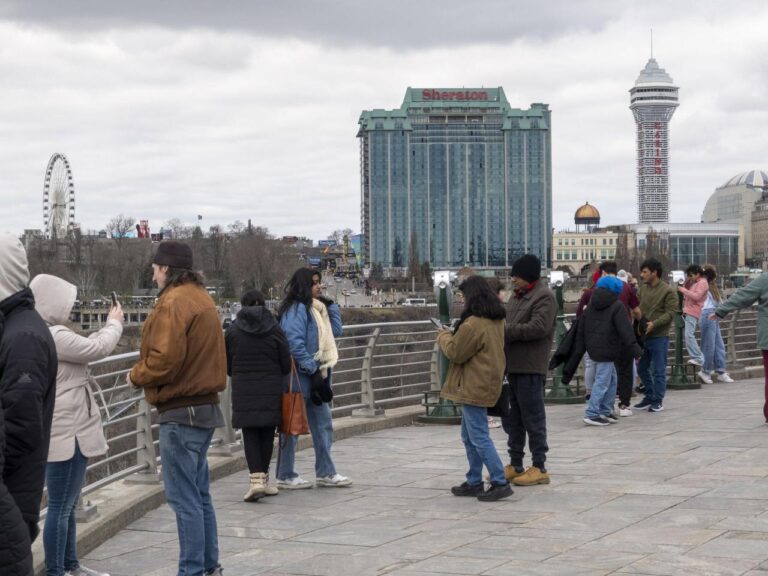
x: 605, y: 332
x: 27, y: 392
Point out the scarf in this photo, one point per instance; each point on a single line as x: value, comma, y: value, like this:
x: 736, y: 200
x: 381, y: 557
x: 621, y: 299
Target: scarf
x: 327, y: 354
x: 520, y: 292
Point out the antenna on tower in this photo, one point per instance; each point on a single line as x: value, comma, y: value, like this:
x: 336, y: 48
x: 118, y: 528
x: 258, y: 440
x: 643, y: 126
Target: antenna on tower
x: 651, y: 42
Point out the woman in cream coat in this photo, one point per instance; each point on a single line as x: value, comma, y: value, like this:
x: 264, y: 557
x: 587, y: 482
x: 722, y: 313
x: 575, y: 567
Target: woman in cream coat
x: 76, y: 432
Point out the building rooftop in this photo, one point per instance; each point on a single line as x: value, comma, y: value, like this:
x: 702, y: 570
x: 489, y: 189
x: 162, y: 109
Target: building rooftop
x: 587, y: 212
x: 755, y: 178
x: 653, y: 74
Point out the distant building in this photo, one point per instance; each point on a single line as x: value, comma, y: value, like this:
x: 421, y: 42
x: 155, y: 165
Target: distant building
x: 653, y: 101
x: 734, y: 202
x: 575, y: 250
x: 459, y: 172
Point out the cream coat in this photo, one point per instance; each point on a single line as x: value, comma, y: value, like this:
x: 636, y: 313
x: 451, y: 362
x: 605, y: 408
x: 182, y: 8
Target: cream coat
x: 76, y: 413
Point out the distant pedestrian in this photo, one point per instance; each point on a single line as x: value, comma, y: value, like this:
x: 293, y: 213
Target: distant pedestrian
x: 754, y: 292
x: 476, y: 351
x: 76, y: 432
x: 258, y: 361
x: 182, y: 368
x: 311, y: 324
x: 694, y: 291
x: 27, y: 392
x: 658, y: 303
x: 712, y: 345
x: 528, y: 336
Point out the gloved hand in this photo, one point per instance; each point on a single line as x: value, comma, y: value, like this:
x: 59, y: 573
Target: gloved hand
x: 315, y: 386
x: 326, y: 394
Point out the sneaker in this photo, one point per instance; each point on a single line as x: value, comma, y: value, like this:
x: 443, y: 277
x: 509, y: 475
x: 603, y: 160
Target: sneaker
x: 694, y: 362
x: 465, y: 489
x: 704, y: 377
x: 611, y: 418
x: 657, y: 407
x: 493, y: 423
x: 218, y: 571
x: 335, y: 481
x: 724, y: 377
x: 495, y: 492
x: 625, y: 411
x: 531, y: 477
x: 644, y: 403
x: 295, y: 483
x: 84, y: 571
x: 510, y: 473
x: 596, y: 421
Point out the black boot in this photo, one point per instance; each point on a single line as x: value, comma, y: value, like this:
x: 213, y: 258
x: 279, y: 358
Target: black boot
x: 495, y: 492
x: 467, y: 489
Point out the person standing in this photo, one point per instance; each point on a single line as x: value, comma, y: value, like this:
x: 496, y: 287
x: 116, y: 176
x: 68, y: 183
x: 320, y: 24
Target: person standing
x: 712, y: 345
x: 182, y: 368
x: 755, y: 291
x: 311, y: 323
x: 76, y: 431
x: 658, y: 303
x: 476, y: 351
x: 695, y: 292
x: 528, y: 337
x: 27, y: 391
x: 258, y: 360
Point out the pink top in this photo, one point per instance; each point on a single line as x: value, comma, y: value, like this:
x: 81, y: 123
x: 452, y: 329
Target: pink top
x: 695, y: 296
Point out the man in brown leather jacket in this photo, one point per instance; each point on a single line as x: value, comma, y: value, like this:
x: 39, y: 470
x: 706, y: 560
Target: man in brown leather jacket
x: 528, y: 336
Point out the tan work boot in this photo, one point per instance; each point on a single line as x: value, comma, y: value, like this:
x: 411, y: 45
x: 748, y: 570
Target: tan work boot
x: 509, y: 473
x: 269, y: 490
x: 531, y: 477
x: 258, y: 487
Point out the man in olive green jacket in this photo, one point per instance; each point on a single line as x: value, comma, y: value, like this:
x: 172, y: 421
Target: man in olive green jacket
x: 658, y: 304
x: 755, y: 291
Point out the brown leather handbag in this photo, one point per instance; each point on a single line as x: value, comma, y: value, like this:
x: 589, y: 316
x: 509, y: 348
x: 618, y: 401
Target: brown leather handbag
x: 294, y: 413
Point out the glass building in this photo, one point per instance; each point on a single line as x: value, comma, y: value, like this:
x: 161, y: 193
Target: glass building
x: 460, y: 174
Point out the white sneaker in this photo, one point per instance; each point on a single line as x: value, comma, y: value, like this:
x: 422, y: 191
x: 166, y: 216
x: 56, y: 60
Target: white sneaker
x: 337, y: 480
x: 724, y: 377
x: 694, y: 362
x: 704, y: 377
x: 296, y: 483
x: 625, y: 411
x: 493, y: 423
x: 84, y: 571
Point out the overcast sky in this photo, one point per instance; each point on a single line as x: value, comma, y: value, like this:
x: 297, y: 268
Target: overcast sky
x: 241, y: 109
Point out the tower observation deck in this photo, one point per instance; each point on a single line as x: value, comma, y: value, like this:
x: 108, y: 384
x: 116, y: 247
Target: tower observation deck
x: 653, y: 101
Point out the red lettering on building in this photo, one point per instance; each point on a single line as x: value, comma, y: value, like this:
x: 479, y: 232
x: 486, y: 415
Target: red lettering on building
x: 432, y: 94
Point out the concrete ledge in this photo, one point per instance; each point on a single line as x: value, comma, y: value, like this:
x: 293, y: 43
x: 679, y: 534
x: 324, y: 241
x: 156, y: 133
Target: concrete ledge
x: 121, y: 503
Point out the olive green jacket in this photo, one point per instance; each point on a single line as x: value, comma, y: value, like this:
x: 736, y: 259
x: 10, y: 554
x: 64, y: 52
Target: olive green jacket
x: 476, y: 352
x: 755, y: 291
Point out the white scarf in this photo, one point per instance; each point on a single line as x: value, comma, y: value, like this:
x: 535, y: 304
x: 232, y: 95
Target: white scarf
x: 327, y: 354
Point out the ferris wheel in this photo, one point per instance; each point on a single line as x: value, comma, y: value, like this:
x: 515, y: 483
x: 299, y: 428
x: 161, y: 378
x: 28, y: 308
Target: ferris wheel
x: 58, y: 197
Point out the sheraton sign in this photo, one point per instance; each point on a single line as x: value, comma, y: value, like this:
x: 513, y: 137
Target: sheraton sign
x: 432, y: 94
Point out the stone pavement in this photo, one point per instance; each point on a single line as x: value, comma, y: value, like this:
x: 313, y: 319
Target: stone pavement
x: 681, y: 492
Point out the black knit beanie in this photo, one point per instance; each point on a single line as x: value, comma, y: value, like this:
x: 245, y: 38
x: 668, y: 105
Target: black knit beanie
x: 527, y: 267
x: 174, y: 254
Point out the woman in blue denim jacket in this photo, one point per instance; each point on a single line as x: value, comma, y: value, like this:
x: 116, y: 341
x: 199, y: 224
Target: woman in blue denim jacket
x: 311, y: 323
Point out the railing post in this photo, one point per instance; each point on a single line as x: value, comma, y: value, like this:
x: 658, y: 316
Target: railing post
x: 146, y: 454
x: 227, y: 444
x: 678, y: 380
x: 366, y: 381
x: 730, y: 350
x: 85, y: 512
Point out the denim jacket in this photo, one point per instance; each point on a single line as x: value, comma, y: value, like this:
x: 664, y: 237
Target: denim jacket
x: 300, y: 329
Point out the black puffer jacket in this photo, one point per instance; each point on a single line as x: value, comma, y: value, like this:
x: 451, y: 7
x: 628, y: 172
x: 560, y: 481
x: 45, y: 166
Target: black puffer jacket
x: 258, y: 360
x: 27, y: 392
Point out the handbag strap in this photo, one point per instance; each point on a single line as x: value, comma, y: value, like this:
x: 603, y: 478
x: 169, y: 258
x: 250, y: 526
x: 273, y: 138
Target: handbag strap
x: 294, y: 374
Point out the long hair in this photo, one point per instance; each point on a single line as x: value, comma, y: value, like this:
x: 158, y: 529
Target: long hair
x: 711, y: 274
x: 179, y: 276
x: 298, y: 289
x: 480, y: 300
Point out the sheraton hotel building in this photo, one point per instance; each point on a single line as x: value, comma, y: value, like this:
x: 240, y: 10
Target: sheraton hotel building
x: 460, y: 174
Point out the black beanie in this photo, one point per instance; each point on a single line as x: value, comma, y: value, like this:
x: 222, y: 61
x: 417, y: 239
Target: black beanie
x: 527, y: 267
x: 174, y: 254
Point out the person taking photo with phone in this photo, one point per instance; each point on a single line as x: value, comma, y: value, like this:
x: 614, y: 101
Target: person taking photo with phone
x: 76, y: 430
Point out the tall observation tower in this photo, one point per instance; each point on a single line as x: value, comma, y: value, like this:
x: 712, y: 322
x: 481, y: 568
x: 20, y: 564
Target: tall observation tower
x: 653, y: 101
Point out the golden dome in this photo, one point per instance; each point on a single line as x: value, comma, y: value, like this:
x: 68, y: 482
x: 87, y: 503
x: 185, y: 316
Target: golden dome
x: 587, y: 212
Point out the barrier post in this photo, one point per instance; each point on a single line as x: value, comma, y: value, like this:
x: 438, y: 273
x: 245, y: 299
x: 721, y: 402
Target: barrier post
x: 559, y: 393
x: 678, y: 380
x: 366, y: 381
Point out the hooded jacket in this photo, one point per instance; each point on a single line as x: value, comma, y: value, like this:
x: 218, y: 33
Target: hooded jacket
x: 76, y: 415
x: 530, y: 330
x: 258, y: 360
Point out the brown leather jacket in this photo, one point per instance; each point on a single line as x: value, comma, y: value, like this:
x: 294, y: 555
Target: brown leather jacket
x: 183, y: 359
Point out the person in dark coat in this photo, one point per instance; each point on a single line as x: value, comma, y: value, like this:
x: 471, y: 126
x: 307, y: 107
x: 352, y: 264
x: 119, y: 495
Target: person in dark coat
x: 258, y: 360
x: 27, y: 392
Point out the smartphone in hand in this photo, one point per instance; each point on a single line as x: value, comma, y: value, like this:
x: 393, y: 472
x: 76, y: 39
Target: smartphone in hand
x: 439, y: 325
x: 114, y: 299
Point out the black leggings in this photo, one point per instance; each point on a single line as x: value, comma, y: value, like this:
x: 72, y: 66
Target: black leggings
x: 258, y: 444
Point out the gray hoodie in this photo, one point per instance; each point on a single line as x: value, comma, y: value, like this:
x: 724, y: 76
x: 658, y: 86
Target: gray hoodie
x: 14, y: 271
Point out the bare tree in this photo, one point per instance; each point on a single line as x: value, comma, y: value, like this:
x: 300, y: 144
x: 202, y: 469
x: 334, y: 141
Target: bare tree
x: 178, y: 229
x: 118, y: 228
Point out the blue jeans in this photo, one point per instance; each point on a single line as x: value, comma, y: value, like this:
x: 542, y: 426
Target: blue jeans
x: 653, y: 368
x: 589, y: 373
x: 711, y: 343
x: 603, y: 390
x: 64, y: 481
x: 690, y: 339
x: 183, y: 452
x: 479, y: 446
x: 321, y: 428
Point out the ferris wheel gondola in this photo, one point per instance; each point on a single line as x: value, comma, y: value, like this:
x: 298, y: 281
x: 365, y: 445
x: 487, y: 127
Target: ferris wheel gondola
x: 58, y: 197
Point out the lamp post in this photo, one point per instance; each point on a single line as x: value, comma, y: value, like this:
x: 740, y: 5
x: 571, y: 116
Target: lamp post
x: 678, y: 380
x: 560, y: 393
